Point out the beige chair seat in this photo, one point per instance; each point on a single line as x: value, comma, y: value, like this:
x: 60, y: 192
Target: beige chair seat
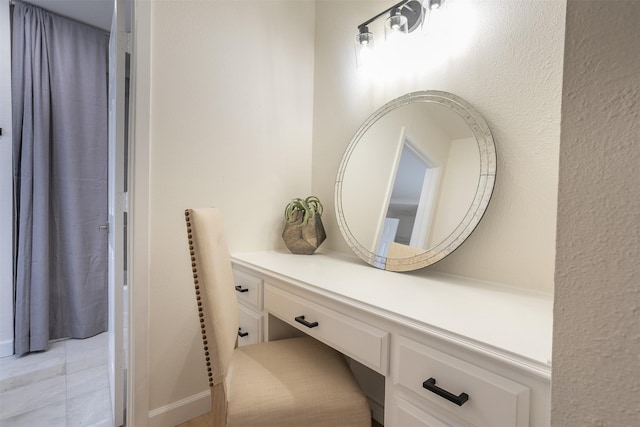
x: 295, y: 382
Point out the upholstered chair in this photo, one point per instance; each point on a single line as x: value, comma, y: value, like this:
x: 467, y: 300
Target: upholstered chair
x: 296, y: 382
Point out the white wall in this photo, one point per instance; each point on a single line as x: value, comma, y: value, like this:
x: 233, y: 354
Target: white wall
x: 231, y: 110
x: 597, y: 295
x: 511, y: 71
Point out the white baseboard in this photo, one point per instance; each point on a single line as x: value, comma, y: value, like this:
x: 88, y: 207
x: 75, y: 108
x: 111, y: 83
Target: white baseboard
x: 6, y: 348
x: 181, y: 411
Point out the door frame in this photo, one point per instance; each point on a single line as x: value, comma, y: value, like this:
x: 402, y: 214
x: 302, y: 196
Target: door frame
x: 117, y: 196
x: 138, y: 217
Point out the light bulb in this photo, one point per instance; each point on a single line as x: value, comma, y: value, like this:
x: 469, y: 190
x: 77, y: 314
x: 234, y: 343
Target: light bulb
x: 435, y: 4
x: 364, y: 37
x: 364, y: 48
x: 396, y: 24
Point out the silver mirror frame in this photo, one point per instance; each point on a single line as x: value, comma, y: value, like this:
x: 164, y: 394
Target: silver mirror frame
x: 486, y: 146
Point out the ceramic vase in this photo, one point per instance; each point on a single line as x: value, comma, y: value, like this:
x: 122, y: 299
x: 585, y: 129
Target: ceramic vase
x: 304, y: 239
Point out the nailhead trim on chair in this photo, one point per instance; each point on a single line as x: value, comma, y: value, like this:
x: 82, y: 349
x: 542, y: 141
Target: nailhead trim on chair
x: 194, y: 269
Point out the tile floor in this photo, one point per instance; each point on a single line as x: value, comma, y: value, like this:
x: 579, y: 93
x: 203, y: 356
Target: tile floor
x: 66, y: 386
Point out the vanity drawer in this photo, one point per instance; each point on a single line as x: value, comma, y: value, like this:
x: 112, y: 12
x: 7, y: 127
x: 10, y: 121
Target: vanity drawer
x: 358, y: 340
x: 492, y: 400
x: 251, y: 325
x: 410, y: 416
x: 248, y: 289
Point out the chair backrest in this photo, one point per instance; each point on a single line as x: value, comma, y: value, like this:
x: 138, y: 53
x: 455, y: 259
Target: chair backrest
x: 215, y: 294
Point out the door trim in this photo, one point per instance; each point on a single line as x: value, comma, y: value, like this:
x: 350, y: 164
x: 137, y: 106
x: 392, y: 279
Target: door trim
x: 138, y: 232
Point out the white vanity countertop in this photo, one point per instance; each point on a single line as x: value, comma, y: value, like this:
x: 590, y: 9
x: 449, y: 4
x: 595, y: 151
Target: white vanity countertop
x: 510, y: 322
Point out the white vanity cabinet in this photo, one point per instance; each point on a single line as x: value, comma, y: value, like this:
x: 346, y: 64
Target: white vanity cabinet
x: 249, y: 290
x: 453, y: 352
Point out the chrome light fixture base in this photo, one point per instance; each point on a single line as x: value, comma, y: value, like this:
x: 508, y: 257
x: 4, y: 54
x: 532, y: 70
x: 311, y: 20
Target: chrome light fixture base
x: 413, y: 10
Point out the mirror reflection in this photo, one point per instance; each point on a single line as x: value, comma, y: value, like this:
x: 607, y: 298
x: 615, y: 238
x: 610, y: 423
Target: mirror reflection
x: 410, y: 180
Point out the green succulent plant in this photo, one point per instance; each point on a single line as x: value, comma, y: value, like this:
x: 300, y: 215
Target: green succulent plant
x: 308, y: 208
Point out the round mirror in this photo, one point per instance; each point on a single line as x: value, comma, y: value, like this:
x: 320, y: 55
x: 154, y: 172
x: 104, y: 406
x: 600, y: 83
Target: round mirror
x: 415, y: 180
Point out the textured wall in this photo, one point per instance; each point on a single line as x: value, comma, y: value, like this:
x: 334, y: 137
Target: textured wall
x: 596, y: 348
x: 231, y: 111
x: 510, y: 69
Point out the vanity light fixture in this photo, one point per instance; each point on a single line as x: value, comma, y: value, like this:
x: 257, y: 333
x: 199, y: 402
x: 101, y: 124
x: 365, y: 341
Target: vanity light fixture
x: 404, y: 17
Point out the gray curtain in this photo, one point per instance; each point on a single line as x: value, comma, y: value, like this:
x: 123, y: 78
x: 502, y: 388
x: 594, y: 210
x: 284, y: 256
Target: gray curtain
x: 60, y: 145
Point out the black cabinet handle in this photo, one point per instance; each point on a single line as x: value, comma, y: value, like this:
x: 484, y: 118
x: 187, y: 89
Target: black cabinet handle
x: 242, y: 334
x: 300, y: 319
x: 459, y: 400
x: 240, y: 289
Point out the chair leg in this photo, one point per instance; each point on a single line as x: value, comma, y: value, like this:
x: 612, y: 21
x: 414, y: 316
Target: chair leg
x: 218, y: 405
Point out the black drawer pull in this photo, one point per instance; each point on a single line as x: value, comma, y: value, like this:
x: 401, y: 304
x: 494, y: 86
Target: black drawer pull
x: 242, y: 334
x: 239, y: 289
x: 300, y: 319
x: 430, y: 385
